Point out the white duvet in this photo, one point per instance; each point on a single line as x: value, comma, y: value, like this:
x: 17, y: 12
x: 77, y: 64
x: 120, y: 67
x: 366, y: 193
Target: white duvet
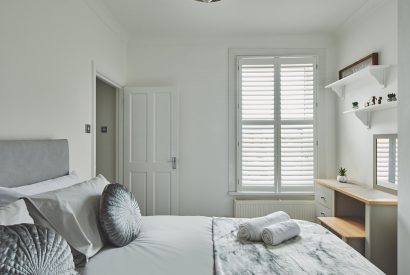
x: 165, y: 245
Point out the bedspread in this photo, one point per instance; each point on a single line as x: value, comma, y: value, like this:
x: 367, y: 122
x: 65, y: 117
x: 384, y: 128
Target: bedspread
x: 315, y: 251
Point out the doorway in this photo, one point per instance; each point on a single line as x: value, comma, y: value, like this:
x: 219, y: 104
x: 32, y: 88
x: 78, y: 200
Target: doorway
x: 151, y: 163
x: 107, y: 130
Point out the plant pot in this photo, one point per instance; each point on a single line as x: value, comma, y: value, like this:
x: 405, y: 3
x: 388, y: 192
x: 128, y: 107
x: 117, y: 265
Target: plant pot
x: 342, y: 179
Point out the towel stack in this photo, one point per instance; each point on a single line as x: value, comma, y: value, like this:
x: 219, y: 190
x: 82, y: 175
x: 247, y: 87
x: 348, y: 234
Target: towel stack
x: 272, y: 229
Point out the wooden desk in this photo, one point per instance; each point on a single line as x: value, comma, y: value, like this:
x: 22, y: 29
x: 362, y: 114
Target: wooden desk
x: 363, y: 217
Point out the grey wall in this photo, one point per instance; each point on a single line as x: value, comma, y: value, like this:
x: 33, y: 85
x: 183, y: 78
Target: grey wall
x: 106, y: 142
x: 404, y: 132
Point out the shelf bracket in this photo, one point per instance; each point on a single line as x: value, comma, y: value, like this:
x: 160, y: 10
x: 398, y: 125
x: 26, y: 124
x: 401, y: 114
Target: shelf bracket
x: 340, y: 91
x: 379, y: 75
x: 365, y: 118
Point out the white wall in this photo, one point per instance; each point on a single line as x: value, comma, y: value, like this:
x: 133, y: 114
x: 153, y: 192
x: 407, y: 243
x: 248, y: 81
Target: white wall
x: 46, y: 51
x: 199, y: 68
x: 376, y: 31
x: 404, y: 133
x: 106, y: 107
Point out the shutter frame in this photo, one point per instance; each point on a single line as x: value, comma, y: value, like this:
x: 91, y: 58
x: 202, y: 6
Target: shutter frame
x: 305, y: 121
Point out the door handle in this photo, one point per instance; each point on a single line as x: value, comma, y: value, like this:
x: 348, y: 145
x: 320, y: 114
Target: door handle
x: 173, y: 161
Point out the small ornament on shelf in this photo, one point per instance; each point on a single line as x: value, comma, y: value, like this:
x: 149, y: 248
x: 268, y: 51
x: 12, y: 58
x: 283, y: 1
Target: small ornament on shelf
x: 379, y: 101
x: 374, y: 99
x: 391, y: 97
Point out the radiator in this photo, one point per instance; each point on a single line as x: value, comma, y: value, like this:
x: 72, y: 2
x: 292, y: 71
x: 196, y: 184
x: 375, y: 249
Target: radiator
x: 301, y: 210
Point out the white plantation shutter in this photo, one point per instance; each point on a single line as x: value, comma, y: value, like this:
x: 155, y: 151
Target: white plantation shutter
x: 275, y: 123
x: 297, y: 85
x: 382, y: 160
x: 387, y: 160
x: 257, y: 85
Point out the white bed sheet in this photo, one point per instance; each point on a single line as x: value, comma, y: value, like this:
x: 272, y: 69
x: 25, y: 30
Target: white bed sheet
x: 166, y: 245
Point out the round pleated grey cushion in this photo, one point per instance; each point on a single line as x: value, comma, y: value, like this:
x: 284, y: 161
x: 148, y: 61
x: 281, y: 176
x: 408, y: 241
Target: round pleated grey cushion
x: 120, y: 215
x: 28, y: 249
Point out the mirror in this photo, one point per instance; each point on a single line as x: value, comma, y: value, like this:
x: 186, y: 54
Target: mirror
x: 385, y: 155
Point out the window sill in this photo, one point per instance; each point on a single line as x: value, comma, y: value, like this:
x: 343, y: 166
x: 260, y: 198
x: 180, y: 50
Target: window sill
x: 307, y: 195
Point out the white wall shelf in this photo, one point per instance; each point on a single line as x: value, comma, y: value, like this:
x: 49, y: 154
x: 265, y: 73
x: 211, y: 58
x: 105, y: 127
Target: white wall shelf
x: 375, y: 73
x: 365, y: 114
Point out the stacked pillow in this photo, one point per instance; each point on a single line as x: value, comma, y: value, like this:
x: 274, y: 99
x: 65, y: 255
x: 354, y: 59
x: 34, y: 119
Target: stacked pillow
x: 86, y: 214
x: 14, y: 213
x: 120, y: 216
x: 22, y: 243
x: 9, y: 195
x: 34, y: 249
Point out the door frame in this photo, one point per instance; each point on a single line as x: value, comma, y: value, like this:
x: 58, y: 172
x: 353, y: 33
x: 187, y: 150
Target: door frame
x: 119, y: 140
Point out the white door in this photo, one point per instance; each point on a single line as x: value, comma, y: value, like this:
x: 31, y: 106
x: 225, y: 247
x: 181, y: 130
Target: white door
x: 151, y: 148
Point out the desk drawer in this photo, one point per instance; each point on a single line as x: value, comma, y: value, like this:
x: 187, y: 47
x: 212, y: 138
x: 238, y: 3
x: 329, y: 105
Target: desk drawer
x: 322, y: 211
x: 324, y: 196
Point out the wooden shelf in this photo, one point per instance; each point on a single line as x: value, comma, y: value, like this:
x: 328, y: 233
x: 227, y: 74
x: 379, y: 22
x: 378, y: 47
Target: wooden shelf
x: 376, y: 73
x: 364, y: 194
x: 364, y: 114
x: 347, y: 228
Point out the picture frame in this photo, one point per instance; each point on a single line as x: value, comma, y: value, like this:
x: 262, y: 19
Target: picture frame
x: 371, y: 59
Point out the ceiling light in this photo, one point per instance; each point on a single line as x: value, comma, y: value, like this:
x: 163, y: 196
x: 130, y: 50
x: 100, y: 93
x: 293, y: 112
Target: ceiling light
x: 208, y: 1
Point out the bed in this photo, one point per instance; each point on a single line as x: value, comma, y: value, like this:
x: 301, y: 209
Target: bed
x: 187, y: 245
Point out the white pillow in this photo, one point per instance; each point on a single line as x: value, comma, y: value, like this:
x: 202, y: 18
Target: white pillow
x: 9, y: 195
x: 15, y: 213
x: 48, y: 185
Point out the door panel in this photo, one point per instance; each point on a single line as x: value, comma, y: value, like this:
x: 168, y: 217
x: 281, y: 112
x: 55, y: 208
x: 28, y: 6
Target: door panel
x: 138, y: 127
x: 162, y: 193
x: 162, y: 127
x: 139, y: 188
x: 150, y: 142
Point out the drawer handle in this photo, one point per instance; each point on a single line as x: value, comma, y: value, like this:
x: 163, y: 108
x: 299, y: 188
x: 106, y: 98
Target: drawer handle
x: 323, y: 198
x: 323, y: 214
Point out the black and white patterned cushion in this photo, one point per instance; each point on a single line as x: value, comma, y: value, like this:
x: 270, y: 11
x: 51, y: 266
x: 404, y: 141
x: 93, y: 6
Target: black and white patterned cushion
x: 28, y: 249
x: 120, y: 216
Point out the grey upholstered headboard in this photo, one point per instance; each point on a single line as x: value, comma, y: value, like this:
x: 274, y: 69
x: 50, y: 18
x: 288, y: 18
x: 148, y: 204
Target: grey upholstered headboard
x: 25, y: 162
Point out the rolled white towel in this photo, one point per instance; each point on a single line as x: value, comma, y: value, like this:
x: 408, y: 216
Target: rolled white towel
x: 251, y: 230
x: 280, y: 232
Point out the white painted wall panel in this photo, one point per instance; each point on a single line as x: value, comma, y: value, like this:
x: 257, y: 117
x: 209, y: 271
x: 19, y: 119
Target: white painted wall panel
x: 404, y: 141
x: 46, y: 51
x: 376, y: 31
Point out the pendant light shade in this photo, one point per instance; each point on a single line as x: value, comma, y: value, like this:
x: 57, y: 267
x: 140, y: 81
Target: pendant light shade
x: 208, y: 1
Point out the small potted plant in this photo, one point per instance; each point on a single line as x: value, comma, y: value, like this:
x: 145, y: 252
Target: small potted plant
x: 342, y: 175
x: 355, y: 105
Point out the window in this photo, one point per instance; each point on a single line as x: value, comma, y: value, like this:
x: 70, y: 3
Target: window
x: 385, y: 159
x: 275, y: 123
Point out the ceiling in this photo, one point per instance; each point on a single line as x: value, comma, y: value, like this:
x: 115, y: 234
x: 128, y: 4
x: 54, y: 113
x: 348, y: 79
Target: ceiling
x: 232, y: 17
